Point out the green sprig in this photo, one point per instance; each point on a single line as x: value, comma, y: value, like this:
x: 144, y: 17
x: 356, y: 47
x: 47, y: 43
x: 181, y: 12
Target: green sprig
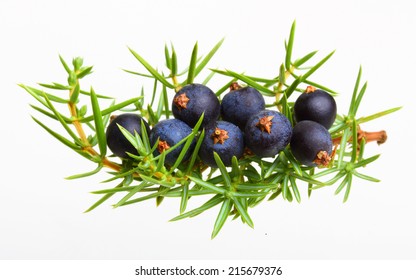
x: 248, y: 182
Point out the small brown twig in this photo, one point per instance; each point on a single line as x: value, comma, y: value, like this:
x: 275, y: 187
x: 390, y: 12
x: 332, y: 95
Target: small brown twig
x: 83, y: 137
x: 379, y: 136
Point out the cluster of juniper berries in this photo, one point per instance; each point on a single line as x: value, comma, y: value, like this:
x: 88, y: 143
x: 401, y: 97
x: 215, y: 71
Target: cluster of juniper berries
x: 238, y: 124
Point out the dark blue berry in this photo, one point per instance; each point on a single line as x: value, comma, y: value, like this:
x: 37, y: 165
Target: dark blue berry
x: 240, y: 104
x: 267, y: 133
x: 225, y: 139
x: 116, y: 141
x: 316, y: 105
x: 170, y: 132
x: 311, y: 144
x: 192, y: 100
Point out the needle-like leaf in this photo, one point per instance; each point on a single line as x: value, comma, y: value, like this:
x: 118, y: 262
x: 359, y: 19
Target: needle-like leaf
x: 99, y: 125
x: 215, y: 200
x: 377, y: 115
x: 64, y: 64
x: 207, y: 58
x: 289, y: 47
x: 354, y: 94
x: 112, y: 108
x: 223, y: 170
x: 151, y: 70
x: 174, y: 61
x: 222, y: 217
x: 184, y: 198
x: 192, y: 65
x: 242, y: 211
x: 304, y: 59
x: 207, y: 185
x: 62, y: 139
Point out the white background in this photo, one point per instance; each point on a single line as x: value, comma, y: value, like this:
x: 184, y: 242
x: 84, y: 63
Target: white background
x: 41, y: 213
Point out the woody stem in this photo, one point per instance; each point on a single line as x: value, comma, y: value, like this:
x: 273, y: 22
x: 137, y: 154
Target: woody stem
x: 82, y: 135
x: 379, y: 136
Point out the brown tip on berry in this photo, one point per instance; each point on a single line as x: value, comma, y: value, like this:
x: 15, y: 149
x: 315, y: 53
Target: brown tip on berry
x: 234, y: 86
x: 248, y: 152
x: 162, y: 146
x: 112, y: 117
x: 322, y: 159
x: 265, y: 124
x: 219, y: 136
x: 310, y: 89
x: 181, y: 101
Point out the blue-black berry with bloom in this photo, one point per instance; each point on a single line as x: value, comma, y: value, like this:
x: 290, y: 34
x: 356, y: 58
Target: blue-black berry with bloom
x: 224, y: 138
x: 116, y: 140
x: 194, y: 99
x: 311, y: 144
x: 267, y: 133
x: 169, y: 133
x: 316, y: 105
x: 238, y: 105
